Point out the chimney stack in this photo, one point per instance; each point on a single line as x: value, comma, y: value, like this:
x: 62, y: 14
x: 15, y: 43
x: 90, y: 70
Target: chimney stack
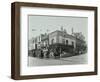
x: 72, y: 30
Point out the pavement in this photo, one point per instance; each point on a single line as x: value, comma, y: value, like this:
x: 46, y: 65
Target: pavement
x: 74, y: 60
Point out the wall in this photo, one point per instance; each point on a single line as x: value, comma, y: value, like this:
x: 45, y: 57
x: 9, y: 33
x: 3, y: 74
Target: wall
x: 53, y: 36
x: 5, y: 41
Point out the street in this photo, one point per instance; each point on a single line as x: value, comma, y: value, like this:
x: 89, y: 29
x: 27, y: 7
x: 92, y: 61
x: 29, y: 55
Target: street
x: 79, y: 59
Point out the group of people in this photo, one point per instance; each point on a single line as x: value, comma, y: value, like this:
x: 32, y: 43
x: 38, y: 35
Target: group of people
x: 46, y: 53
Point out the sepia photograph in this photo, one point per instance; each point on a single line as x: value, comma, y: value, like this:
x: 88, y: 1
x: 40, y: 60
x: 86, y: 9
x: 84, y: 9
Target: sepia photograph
x: 57, y: 40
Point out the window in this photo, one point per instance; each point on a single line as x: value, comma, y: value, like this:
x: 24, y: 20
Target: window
x: 33, y: 41
x: 66, y: 42
x: 52, y: 41
x: 73, y: 44
x: 46, y: 43
x: 39, y: 38
x: 63, y: 41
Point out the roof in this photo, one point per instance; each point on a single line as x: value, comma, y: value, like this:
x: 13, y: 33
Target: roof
x: 61, y: 33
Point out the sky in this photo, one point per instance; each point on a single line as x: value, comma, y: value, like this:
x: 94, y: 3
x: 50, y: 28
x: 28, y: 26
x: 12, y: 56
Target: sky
x: 39, y: 24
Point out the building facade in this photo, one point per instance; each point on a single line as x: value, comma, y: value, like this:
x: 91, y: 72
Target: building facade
x: 61, y: 40
x: 61, y: 37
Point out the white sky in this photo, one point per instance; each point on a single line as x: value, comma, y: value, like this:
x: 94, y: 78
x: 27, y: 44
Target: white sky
x: 39, y: 24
